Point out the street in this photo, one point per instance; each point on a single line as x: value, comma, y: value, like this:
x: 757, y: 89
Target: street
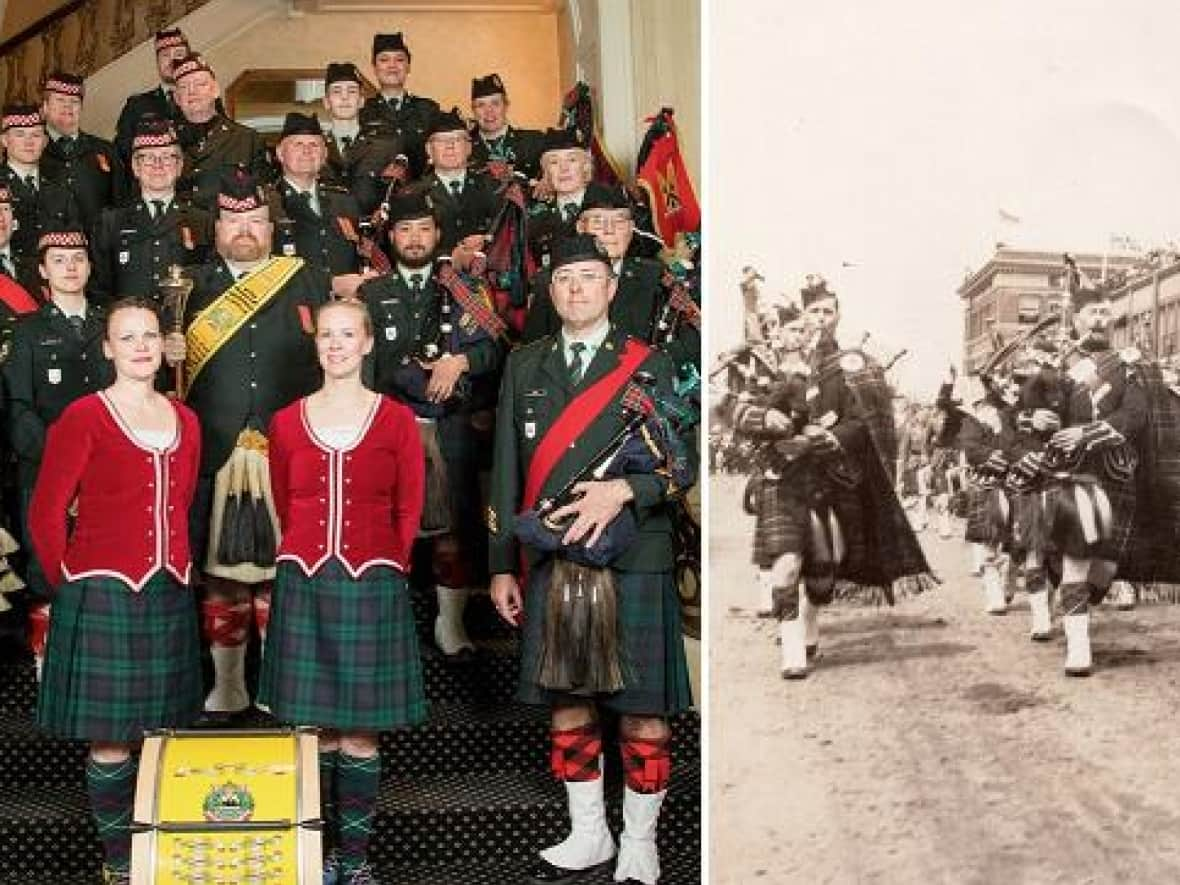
x: 932, y: 743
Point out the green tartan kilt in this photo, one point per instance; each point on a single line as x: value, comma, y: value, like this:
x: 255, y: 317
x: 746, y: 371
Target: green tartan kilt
x: 342, y: 652
x: 654, y: 665
x: 120, y: 662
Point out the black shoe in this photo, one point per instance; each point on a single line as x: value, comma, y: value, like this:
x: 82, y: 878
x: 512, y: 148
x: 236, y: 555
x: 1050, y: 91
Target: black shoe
x: 540, y: 870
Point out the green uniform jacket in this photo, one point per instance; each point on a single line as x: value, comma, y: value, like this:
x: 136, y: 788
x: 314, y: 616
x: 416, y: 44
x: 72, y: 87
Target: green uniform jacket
x: 132, y: 251
x: 519, y: 148
x: 634, y: 310
x: 358, y: 169
x: 327, y: 239
x: 403, y: 324
x: 471, y: 213
x: 408, y: 123
x: 48, y: 367
x: 535, y: 390
x: 51, y: 205
x: 215, y: 149
x: 91, y: 171
x: 267, y: 364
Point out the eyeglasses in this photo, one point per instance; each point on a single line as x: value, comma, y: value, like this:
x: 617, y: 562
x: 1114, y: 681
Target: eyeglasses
x: 449, y: 140
x: 585, y: 277
x: 157, y: 159
x: 599, y: 223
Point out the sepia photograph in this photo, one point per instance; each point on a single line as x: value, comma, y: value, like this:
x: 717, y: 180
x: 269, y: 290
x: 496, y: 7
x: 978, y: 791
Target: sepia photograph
x: 944, y: 442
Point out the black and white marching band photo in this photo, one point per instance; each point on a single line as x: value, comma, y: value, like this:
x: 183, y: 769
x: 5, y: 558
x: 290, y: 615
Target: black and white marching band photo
x: 350, y: 417
x: 943, y: 442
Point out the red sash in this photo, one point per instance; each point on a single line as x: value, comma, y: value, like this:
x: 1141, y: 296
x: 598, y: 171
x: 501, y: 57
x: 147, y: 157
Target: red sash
x: 14, y: 295
x: 578, y: 414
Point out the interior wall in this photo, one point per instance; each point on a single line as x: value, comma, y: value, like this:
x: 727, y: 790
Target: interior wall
x: 666, y: 35
x: 448, y: 49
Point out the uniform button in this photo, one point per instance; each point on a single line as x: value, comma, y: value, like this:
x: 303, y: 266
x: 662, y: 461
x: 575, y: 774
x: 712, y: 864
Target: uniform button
x: 252, y: 354
x: 253, y: 383
x: 83, y: 357
x: 254, y: 325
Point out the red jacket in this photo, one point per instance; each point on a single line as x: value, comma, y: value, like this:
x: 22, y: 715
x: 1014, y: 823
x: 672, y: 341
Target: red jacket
x: 133, y: 501
x: 360, y: 504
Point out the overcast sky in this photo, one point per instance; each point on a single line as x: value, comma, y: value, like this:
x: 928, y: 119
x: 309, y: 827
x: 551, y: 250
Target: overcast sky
x: 891, y: 135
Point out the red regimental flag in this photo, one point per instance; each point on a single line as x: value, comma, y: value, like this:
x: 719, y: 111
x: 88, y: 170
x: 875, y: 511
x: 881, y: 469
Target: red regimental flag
x: 663, y: 175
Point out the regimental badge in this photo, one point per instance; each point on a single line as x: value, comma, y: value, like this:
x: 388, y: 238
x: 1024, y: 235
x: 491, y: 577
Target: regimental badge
x: 492, y: 520
x: 305, y: 319
x: 530, y: 429
x: 103, y: 163
x: 54, y: 375
x: 228, y: 803
x: 289, y: 250
x: 391, y: 333
x: 186, y: 237
x: 468, y: 324
x: 124, y: 257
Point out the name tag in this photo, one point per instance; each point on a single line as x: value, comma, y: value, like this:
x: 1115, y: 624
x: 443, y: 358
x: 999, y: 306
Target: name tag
x: 124, y: 257
x: 54, y: 375
x: 530, y: 429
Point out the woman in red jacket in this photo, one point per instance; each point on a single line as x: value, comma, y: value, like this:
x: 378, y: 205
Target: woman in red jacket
x: 347, y: 470
x: 123, y: 652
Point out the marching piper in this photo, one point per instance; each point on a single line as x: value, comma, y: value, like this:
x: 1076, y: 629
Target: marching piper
x: 123, y: 650
x: 347, y: 470
x: 563, y: 399
x: 465, y: 200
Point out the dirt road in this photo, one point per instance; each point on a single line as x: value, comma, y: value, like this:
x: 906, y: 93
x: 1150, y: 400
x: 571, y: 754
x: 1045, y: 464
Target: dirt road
x: 935, y: 744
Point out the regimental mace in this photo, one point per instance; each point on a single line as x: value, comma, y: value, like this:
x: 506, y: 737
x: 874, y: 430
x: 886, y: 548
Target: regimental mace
x: 174, y: 291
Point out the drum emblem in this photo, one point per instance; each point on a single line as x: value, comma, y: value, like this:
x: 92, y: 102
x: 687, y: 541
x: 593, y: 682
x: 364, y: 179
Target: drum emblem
x: 228, y: 803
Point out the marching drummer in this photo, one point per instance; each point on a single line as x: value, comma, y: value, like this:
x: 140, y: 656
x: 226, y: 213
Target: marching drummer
x: 559, y: 403
x: 123, y: 651
x: 347, y: 471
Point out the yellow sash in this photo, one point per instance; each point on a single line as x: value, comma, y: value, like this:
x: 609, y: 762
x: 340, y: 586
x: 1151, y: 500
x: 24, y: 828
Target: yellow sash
x: 218, y: 322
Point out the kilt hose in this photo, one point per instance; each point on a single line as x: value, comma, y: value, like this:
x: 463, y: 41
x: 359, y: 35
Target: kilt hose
x: 120, y: 662
x: 342, y: 652
x: 655, y: 670
x: 781, y: 518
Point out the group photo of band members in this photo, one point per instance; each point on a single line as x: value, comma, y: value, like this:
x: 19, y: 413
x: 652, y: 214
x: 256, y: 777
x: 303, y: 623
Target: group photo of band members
x: 263, y: 398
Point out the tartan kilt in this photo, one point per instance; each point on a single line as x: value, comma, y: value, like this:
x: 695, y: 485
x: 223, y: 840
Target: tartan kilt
x: 1122, y: 496
x: 342, y: 652
x: 654, y: 665
x: 120, y: 662
x: 981, y: 525
x: 781, y: 522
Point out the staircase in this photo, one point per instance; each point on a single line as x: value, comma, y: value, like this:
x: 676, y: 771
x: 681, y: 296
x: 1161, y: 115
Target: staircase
x: 466, y: 799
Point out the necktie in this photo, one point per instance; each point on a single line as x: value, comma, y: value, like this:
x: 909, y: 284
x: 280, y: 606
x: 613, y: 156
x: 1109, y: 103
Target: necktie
x: 31, y: 183
x: 416, y: 283
x: 345, y: 142
x: 66, y: 143
x: 6, y: 266
x: 569, y: 212
x: 395, y: 104
x: 304, y: 198
x: 456, y: 187
x: 577, y: 364
x: 157, y: 208
x: 76, y: 322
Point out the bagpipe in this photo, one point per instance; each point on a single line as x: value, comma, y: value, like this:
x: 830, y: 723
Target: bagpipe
x: 374, y: 230
x: 580, y: 650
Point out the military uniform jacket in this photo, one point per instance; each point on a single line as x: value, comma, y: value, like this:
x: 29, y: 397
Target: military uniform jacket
x: 519, y: 148
x: 267, y: 364
x: 404, y: 323
x: 546, y: 225
x: 90, y: 170
x: 635, y: 310
x: 408, y: 123
x: 132, y: 251
x: 48, y: 367
x: 535, y: 390
x: 50, y: 205
x: 155, y: 101
x: 216, y: 149
x: 829, y: 400
x: 358, y: 168
x: 477, y: 201
x: 328, y: 239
